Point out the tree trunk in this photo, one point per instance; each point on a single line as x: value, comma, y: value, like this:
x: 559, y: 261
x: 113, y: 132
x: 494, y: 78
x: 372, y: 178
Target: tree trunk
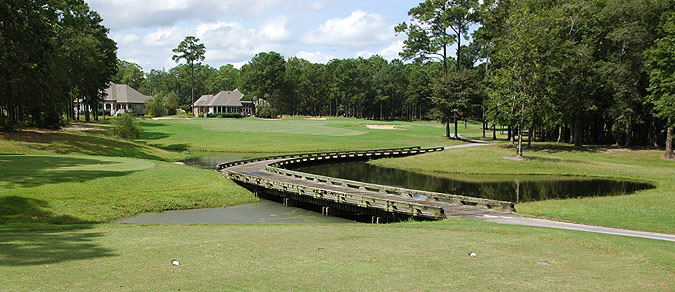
x: 456, y: 135
x: 669, y: 142
x: 559, y: 133
x: 447, y: 129
x: 629, y: 135
x: 578, y: 132
x: 494, y: 132
x: 464, y: 123
x: 530, y: 136
x: 511, y: 134
x: 519, y: 152
x: 192, y: 69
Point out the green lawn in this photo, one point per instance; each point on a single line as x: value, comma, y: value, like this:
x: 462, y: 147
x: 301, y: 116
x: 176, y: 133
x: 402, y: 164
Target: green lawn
x: 431, y: 256
x: 61, y: 189
x: 288, y: 134
x: 97, y: 143
x: 52, y: 182
x: 650, y: 210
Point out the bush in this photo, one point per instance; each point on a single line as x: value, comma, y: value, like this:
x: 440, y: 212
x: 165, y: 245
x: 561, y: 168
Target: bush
x: 172, y: 102
x: 224, y: 115
x: 155, y: 107
x: 126, y: 126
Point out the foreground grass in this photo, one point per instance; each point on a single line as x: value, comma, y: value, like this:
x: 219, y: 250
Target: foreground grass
x: 288, y: 134
x: 649, y: 210
x: 67, y: 189
x: 431, y: 256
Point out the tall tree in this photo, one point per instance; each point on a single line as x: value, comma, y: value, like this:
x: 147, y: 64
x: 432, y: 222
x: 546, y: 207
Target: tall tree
x: 263, y: 77
x: 190, y: 50
x: 436, y: 25
x: 129, y: 73
x: 662, y: 78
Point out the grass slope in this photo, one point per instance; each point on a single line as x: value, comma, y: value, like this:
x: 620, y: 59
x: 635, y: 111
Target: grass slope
x: 64, y: 189
x: 430, y: 256
x: 288, y: 134
x: 650, y: 210
x: 97, y: 143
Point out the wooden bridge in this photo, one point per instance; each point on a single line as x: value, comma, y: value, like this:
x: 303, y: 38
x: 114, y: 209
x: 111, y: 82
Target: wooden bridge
x: 266, y: 175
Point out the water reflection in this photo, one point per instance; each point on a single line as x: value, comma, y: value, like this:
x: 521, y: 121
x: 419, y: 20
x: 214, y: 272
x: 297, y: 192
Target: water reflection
x: 507, y: 188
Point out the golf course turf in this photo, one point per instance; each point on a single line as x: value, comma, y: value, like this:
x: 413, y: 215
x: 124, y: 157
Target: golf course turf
x: 56, y: 197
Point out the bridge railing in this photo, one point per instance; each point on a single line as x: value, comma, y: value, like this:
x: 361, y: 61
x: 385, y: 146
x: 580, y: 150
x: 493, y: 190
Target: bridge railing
x: 408, y: 208
x: 315, y: 154
x: 415, y: 194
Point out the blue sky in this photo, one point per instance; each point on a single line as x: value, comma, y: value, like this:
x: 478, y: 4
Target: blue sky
x: 233, y: 31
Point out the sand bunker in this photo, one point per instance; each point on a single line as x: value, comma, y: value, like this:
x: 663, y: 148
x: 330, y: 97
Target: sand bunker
x: 316, y: 119
x: 383, y: 127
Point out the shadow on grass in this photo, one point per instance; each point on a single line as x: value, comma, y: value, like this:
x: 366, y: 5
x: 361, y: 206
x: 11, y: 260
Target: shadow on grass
x: 72, y: 143
x: 16, y: 209
x: 147, y: 135
x: 553, y: 147
x: 33, y: 171
x: 50, y: 247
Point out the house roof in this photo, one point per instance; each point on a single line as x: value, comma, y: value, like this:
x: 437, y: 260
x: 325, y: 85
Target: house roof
x: 122, y: 93
x: 224, y: 98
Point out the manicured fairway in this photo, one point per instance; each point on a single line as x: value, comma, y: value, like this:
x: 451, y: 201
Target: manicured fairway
x: 649, y: 210
x: 288, y: 134
x: 430, y: 256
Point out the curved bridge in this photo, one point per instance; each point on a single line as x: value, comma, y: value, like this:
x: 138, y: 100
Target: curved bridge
x: 265, y: 175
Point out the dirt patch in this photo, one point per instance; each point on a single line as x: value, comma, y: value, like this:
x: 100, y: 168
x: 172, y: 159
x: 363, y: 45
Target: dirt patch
x: 316, y: 119
x: 384, y: 127
x: 82, y: 128
x: 516, y: 158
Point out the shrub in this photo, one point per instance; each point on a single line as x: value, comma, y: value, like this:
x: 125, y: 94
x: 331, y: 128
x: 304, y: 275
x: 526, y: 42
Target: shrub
x: 126, y: 126
x: 155, y: 106
x: 172, y: 102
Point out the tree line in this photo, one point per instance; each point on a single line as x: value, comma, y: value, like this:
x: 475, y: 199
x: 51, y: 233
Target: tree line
x: 574, y: 71
x: 53, y: 54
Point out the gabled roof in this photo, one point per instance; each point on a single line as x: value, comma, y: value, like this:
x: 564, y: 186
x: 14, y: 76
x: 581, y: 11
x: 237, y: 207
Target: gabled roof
x: 122, y: 93
x: 224, y: 98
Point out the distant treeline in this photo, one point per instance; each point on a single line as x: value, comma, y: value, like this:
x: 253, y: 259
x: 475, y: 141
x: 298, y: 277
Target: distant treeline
x: 585, y: 72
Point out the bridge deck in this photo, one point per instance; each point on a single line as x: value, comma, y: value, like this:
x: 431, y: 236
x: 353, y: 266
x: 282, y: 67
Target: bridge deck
x: 259, y: 170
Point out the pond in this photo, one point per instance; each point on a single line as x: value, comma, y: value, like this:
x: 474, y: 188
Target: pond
x: 515, y: 188
x: 209, y: 160
x: 263, y: 211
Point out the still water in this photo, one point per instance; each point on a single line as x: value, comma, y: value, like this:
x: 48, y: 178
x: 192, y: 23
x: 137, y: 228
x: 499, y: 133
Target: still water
x: 263, y: 211
x: 522, y: 188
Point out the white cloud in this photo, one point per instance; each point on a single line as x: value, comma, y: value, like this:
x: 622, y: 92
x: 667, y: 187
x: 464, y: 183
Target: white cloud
x: 358, y: 29
x: 163, y: 37
x: 275, y: 29
x: 389, y: 53
x: 315, y: 57
x: 124, y: 14
x: 317, y: 5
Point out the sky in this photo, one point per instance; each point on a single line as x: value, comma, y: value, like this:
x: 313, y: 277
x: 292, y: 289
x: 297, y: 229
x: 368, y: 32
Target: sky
x: 234, y: 31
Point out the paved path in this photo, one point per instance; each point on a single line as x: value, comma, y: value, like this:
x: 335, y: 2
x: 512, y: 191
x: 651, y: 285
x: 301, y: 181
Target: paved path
x: 515, y: 219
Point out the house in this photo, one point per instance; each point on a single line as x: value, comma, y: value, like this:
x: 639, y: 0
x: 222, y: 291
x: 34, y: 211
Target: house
x: 223, y: 103
x: 121, y: 98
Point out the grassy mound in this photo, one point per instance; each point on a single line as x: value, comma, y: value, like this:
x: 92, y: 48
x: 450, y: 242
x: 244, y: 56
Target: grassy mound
x: 61, y: 189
